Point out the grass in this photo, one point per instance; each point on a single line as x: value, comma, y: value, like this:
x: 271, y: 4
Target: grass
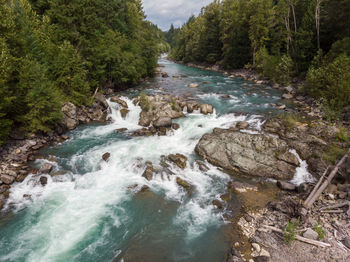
x: 319, y: 230
x: 144, y: 102
x: 290, y: 231
x: 292, y: 120
x: 333, y: 153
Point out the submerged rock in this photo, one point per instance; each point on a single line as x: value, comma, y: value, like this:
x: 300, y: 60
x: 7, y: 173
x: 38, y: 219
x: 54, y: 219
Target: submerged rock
x: 256, y: 155
x: 43, y: 180
x: 148, y: 173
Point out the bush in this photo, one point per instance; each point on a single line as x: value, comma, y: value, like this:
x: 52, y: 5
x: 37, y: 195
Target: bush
x: 290, y: 231
x: 331, y: 82
x: 278, y: 69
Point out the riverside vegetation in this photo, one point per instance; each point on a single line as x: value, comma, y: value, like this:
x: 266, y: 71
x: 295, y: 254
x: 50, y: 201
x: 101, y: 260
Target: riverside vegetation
x: 57, y: 51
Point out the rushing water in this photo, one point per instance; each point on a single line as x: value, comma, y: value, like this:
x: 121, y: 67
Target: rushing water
x: 91, y: 211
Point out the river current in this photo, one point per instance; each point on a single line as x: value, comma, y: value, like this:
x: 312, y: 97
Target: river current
x: 91, y: 210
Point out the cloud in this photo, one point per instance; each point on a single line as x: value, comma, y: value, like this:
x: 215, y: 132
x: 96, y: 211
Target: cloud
x: 167, y: 12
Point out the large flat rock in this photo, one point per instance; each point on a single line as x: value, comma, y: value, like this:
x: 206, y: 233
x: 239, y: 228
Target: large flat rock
x: 252, y: 154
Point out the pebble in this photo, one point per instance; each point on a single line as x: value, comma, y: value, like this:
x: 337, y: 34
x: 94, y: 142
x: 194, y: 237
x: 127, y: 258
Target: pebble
x: 310, y: 234
x: 256, y: 247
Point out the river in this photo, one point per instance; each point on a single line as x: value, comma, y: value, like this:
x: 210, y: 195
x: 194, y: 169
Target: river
x: 91, y: 211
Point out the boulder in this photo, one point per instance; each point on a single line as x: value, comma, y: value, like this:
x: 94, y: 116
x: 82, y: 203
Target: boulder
x: 217, y: 203
x: 148, y: 173
x: 45, y: 168
x: 6, y: 179
x: 69, y: 118
x: 101, y: 99
x: 346, y: 242
x: 162, y: 122
x: 43, y: 180
x: 116, y: 99
x: 252, y: 154
x: 124, y: 112
x: 287, y: 96
x: 202, y: 166
x: 184, y: 184
x: 106, y: 156
x: 283, y: 185
x: 178, y: 159
x: 206, y: 109
x: 175, y: 126
x: 242, y: 125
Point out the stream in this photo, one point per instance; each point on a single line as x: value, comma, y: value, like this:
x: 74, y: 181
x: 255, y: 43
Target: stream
x: 92, y: 210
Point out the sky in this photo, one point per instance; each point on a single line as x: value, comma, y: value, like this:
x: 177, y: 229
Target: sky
x: 165, y: 12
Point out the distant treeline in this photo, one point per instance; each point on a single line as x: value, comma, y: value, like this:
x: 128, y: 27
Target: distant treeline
x: 53, y: 51
x: 282, y: 39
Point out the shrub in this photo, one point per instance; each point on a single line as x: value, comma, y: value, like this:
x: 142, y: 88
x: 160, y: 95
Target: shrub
x: 319, y: 230
x: 290, y: 231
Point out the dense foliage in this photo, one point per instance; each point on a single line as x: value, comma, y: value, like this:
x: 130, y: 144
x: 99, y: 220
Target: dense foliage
x: 54, y: 51
x: 282, y: 39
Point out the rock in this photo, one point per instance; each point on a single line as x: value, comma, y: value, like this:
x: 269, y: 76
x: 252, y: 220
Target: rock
x: 217, y: 203
x: 310, y: 234
x: 264, y: 253
x: 206, y: 109
x: 191, y: 106
x: 124, y: 112
x: 6, y: 179
x: 178, y: 159
x: 144, y: 189
x: 162, y: 122
x: 21, y: 177
x: 287, y: 96
x: 261, y: 259
x: 69, y: 116
x: 2, y: 203
x: 242, y: 125
x: 142, y: 132
x: 300, y: 98
x: 226, y: 197
x: 346, y: 242
x: 202, y: 166
x: 175, y: 126
x: 165, y: 75
x: 116, y: 99
x: 304, y: 188
x: 283, y: 185
x: 101, y: 99
x: 256, y: 247
x: 184, y: 184
x: 331, y: 188
x: 121, y: 130
x: 226, y: 97
x: 193, y: 85
x: 43, y: 180
x: 106, y: 156
x: 252, y: 154
x: 289, y: 89
x: 148, y: 173
x: 45, y: 168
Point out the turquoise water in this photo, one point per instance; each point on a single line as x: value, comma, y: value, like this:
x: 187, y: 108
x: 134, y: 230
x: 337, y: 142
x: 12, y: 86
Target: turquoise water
x: 92, y: 211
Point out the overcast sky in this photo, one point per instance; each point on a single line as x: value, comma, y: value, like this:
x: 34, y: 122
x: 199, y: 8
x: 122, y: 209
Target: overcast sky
x: 165, y: 12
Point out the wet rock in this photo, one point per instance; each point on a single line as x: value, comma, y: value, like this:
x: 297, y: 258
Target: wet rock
x: 148, y: 173
x: 283, y: 185
x: 124, y: 112
x: 217, y: 203
x: 45, y: 168
x: 21, y: 177
x: 310, y: 234
x: 144, y: 189
x: 4, y: 188
x: 142, y: 132
x: 226, y: 97
x: 179, y: 159
x: 121, y: 130
x: 106, y: 156
x: 252, y: 154
x: 206, y: 109
x: 43, y: 180
x: 162, y: 122
x: 202, y: 166
x: 2, y: 203
x: 193, y: 85
x: 226, y: 197
x: 234, y: 256
x: 6, y: 179
x: 184, y: 184
x: 118, y: 100
x: 242, y: 125
x: 175, y: 126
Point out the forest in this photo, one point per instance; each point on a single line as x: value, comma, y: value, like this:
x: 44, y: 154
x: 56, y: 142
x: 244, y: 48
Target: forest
x: 54, y: 51
x: 286, y: 41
